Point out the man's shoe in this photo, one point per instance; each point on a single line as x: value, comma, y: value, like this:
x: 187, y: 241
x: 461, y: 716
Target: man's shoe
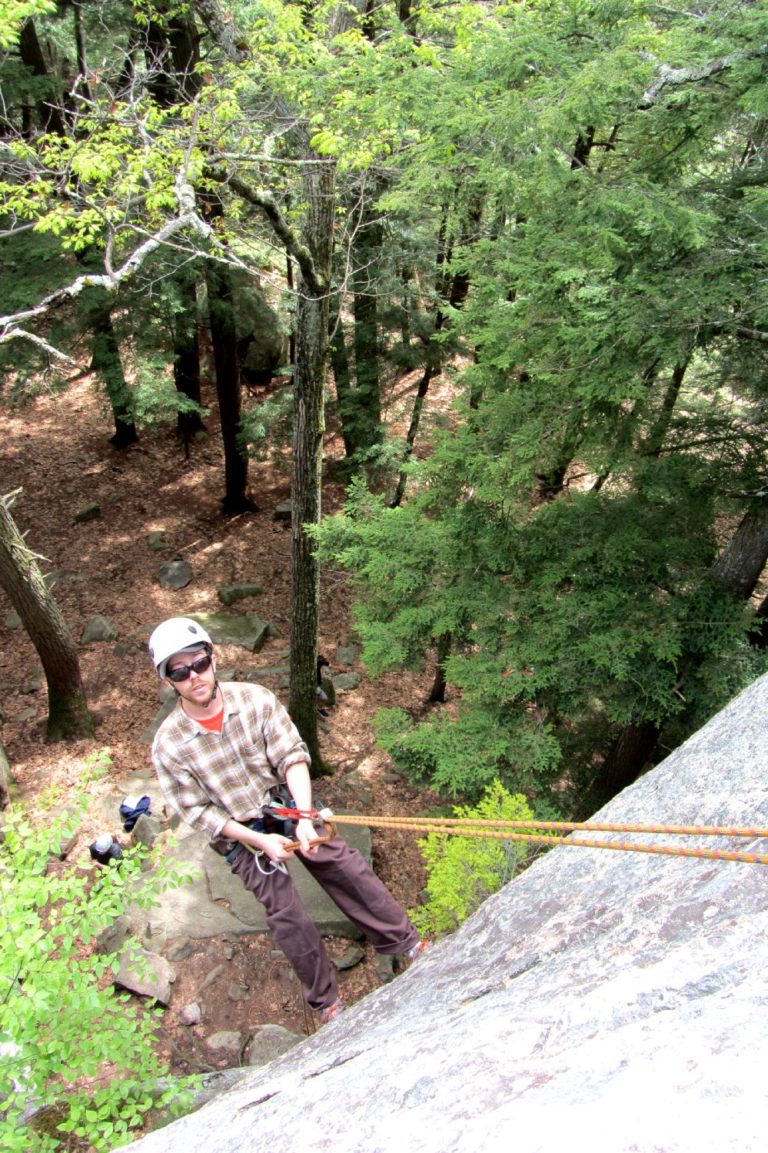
x: 331, y: 1012
x: 419, y: 949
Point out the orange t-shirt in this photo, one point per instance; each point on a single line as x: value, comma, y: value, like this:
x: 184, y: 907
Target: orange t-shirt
x: 212, y: 723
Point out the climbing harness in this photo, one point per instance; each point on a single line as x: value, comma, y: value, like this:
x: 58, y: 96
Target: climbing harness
x: 549, y: 833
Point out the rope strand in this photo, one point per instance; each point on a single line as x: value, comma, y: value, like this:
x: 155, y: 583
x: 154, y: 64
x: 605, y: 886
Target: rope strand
x: 511, y: 831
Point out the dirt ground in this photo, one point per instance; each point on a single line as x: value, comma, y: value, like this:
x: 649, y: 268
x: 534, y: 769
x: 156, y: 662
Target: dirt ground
x: 56, y: 449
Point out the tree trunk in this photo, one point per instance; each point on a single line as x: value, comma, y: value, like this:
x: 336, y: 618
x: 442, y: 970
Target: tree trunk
x: 737, y: 570
x: 107, y: 364
x: 22, y: 581
x: 625, y: 761
x: 224, y: 341
x: 453, y: 288
x: 361, y: 413
x: 308, y: 428
x: 342, y: 376
x: 439, y: 685
x: 186, y: 359
x: 657, y: 435
x: 48, y: 109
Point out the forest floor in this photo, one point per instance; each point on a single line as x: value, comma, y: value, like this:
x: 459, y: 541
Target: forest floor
x: 55, y: 448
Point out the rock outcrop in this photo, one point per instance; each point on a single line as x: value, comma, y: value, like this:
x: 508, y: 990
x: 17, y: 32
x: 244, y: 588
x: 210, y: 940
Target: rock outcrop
x: 603, y: 1001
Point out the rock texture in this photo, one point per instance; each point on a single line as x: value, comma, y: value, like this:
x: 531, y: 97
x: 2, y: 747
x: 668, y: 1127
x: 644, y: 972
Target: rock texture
x: 605, y: 1001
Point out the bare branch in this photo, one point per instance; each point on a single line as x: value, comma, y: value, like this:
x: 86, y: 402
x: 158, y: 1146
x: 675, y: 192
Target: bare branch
x: 10, y: 326
x: 280, y: 226
x: 674, y: 77
x: 753, y: 334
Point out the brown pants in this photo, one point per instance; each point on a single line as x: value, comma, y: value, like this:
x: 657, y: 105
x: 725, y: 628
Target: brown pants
x: 351, y: 883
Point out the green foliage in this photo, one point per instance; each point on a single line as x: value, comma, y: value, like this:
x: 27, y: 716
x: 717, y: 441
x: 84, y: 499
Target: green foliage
x: 13, y: 14
x: 463, y: 871
x: 557, y: 546
x: 74, y: 1048
x: 266, y: 427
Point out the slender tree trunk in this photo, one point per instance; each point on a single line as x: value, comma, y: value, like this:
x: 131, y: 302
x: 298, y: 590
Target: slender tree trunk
x: 453, y: 288
x: 362, y: 412
x: 629, y: 754
x: 49, y: 110
x: 655, y: 439
x: 342, y: 376
x: 439, y: 685
x: 308, y: 428
x: 107, y: 363
x: 431, y: 369
x: 224, y: 341
x: 22, y: 581
x: 186, y: 359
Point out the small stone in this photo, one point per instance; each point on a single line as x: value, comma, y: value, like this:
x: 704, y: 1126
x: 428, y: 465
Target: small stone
x: 98, y: 628
x: 352, y: 957
x: 225, y: 1040
x: 157, y: 540
x: 237, y: 992
x: 268, y: 1043
x: 147, y: 974
x: 191, y: 1014
x: 231, y: 594
x: 175, y: 574
x: 146, y: 830
x: 112, y: 939
x: 214, y: 974
x: 180, y: 950
x: 90, y: 511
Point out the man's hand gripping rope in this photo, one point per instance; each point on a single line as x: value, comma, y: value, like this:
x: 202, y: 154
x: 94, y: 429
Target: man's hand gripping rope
x: 280, y: 849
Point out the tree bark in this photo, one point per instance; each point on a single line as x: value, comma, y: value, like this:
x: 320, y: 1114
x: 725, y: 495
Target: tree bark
x: 308, y: 428
x: 439, y: 685
x: 342, y: 376
x: 107, y: 364
x: 186, y: 359
x: 624, y: 762
x: 23, y: 583
x: 224, y: 341
x: 738, y: 567
x: 361, y: 410
x: 49, y: 110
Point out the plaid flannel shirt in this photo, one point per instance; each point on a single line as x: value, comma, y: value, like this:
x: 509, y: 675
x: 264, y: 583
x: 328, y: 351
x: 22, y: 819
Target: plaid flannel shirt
x: 208, y: 778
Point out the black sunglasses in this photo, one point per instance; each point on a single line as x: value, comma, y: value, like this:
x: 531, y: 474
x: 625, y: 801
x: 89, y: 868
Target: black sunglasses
x: 184, y: 672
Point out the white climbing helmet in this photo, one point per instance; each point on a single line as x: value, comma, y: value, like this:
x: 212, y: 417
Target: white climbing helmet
x: 176, y: 635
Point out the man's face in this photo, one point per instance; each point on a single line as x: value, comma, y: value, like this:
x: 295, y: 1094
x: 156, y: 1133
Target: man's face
x: 197, y: 687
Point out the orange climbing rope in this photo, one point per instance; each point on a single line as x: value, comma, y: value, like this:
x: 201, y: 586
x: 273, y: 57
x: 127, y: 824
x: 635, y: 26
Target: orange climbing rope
x: 523, y: 831
x: 544, y: 834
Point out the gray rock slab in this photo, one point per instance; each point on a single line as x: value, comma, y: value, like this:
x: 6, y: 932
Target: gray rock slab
x: 604, y: 1001
x: 248, y: 631
x: 216, y: 901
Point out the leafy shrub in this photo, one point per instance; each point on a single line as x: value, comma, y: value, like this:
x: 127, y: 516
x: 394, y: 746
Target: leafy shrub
x: 77, y: 1059
x: 463, y: 871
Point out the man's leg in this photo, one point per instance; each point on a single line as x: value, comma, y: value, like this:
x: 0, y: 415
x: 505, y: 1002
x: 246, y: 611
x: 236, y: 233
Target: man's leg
x: 293, y: 929
x: 352, y: 884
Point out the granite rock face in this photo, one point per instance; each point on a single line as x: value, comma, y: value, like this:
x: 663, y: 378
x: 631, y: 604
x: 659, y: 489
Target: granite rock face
x: 607, y: 1001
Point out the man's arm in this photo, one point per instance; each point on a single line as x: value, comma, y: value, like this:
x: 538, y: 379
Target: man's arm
x: 300, y: 787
